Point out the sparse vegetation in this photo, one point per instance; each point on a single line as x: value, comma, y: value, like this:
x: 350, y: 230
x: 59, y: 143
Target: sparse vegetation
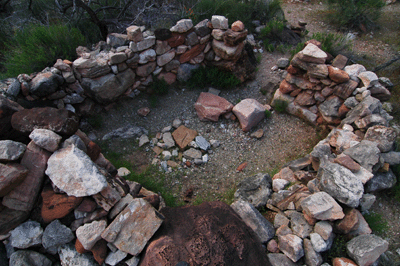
x: 356, y: 14
x: 376, y: 222
x: 280, y: 106
x: 159, y: 86
x: 214, y: 77
x: 332, y: 43
x: 337, y: 250
x: 268, y: 113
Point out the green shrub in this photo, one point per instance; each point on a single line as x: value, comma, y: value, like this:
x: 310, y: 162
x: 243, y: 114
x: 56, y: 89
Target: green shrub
x: 212, y: 76
x: 376, y: 222
x: 243, y: 10
x: 337, y: 250
x: 332, y: 43
x: 355, y: 14
x: 159, y: 86
x: 280, y: 106
x: 268, y: 113
x: 37, y: 47
x: 270, y: 34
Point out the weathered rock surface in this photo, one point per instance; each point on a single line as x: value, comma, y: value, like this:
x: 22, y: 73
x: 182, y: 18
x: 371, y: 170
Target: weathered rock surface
x: 312, y: 257
x: 366, y: 249
x: 340, y: 183
x: 210, y: 233
x: 383, y: 136
x: 252, y: 217
x: 72, y: 171
x: 11, y: 175
x: 291, y: 246
x: 280, y: 259
x: 55, y: 235
x: 26, y: 235
x: 45, y: 139
x: 89, y: 233
x: 60, y: 121
x: 45, y: 84
x: 69, y: 256
x: 381, y: 181
x: 209, y: 106
x: 366, y: 153
x: 255, y: 190
x: 183, y: 136
x: 322, y: 206
x: 29, y: 257
x: 133, y: 227
x: 249, y: 112
x: 11, y: 150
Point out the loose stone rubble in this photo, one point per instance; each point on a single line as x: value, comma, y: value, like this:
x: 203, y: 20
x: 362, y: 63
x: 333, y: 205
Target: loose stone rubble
x: 90, y: 215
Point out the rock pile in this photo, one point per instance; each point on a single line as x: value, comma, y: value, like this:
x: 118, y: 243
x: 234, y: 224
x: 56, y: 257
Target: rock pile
x: 322, y: 90
x: 128, y: 63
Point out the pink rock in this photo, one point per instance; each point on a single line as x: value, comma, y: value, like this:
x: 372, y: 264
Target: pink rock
x: 249, y: 112
x: 168, y: 77
x: 272, y: 246
x: 237, y: 26
x: 209, y: 106
x: 143, y: 111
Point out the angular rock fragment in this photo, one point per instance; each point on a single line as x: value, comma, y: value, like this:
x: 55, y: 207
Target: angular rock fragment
x: 209, y: 106
x: 291, y: 246
x: 322, y: 206
x: 249, y: 112
x: 366, y: 249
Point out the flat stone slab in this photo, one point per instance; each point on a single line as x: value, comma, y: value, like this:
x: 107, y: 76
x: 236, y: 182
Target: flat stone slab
x: 366, y: 249
x: 209, y: 106
x: 322, y: 206
x: 133, y: 227
x: 183, y: 136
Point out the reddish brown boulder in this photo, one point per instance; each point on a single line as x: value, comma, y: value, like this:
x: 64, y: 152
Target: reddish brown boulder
x: 286, y: 87
x: 233, y: 38
x: 348, y: 223
x: 183, y: 136
x: 338, y: 75
x: 56, y: 206
x: 11, y: 175
x: 168, y: 77
x: 79, y: 248
x: 210, y: 106
x: 100, y: 251
x: 192, y: 53
x: 24, y: 196
x: 343, y: 262
x: 293, y: 70
x: 176, y: 40
x: 154, y: 200
x: 348, y: 162
x: 305, y: 98
x: 237, y: 26
x: 93, y: 150
x: 345, y: 90
x: 343, y: 110
x: 208, y: 234
x: 60, y: 121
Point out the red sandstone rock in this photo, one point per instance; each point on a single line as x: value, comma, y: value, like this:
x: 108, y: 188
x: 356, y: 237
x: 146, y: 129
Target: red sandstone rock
x: 233, y: 38
x: 192, y: 53
x: 79, y: 248
x: 168, y: 77
x: 93, y: 150
x: 208, y: 234
x: 143, y: 111
x: 286, y: 87
x: 56, y: 206
x: 11, y: 175
x: 100, y: 251
x: 348, y: 162
x: 343, y: 262
x: 176, y: 40
x: 348, y: 223
x: 343, y: 110
x: 272, y: 246
x: 338, y: 75
x: 87, y: 205
x: 293, y: 70
x: 154, y: 201
x: 237, y: 26
x: 210, y: 106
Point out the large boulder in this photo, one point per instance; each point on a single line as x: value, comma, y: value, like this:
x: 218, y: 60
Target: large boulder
x: 254, y: 189
x: 108, y: 88
x: 208, y: 234
x: 72, y: 171
x: 45, y: 84
x: 61, y: 121
x: 340, y: 183
x: 210, y: 106
x: 366, y: 249
x: 249, y: 112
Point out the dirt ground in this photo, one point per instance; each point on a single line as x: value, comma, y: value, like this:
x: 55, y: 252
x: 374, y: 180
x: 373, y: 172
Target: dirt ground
x: 285, y: 137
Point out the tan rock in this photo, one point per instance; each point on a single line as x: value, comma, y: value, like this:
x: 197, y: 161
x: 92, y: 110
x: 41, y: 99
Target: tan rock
x: 343, y: 262
x: 322, y: 206
x: 88, y: 234
x: 312, y: 54
x: 237, y: 26
x: 134, y: 33
x: 249, y: 113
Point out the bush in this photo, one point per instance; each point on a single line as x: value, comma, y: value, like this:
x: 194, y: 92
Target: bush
x: 37, y: 47
x: 243, y: 10
x: 280, y: 106
x: 212, y: 76
x: 332, y: 43
x: 271, y: 34
x: 376, y: 222
x: 355, y: 14
x: 159, y: 86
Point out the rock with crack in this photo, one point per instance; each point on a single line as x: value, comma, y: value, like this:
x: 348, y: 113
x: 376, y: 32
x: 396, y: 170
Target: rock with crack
x: 292, y: 246
x: 255, y: 189
x: 366, y: 153
x: 133, y: 227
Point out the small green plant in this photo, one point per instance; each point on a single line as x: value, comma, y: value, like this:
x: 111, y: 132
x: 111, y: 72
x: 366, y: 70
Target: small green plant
x: 280, y: 105
x: 268, y: 113
x: 270, y: 34
x: 212, y: 76
x: 36, y: 47
x: 159, y: 86
x: 376, y: 222
x: 338, y: 249
x: 332, y: 43
x: 356, y: 14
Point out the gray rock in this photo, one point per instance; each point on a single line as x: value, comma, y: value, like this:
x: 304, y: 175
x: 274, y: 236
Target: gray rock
x: 115, y: 39
x: 75, y: 140
x: 330, y: 107
x: 117, y: 58
x: 350, y: 102
x: 279, y: 259
x: 166, y: 58
x: 147, y: 56
x: 145, y: 44
x: 324, y: 229
x: 72, y: 171
x: 312, y: 258
x: 367, y: 201
x: 185, y: 71
x: 168, y: 140
x: 355, y: 69
x: 322, y: 206
x: 318, y: 242
x: 253, y: 218
x: 126, y: 132
x: 202, y: 29
x: 381, y: 181
x: 202, y: 143
x: 280, y: 219
x: 368, y: 78
x: 73, y: 98
x: 70, y: 257
x: 340, y: 183
x: 192, y: 154
x: 391, y: 158
x: 249, y: 113
x: 45, y: 84
x: 219, y: 22
x: 182, y: 26
x: 366, y: 249
x: 14, y: 88
x: 55, y: 235
x: 26, y: 235
x: 283, y: 63
x: 134, y: 261
x: 11, y: 150
x: 125, y: 201
x: 321, y: 150
x: 113, y: 258
x: 192, y: 39
x: 144, y: 139
x: 383, y: 136
x: 45, y: 139
x: 108, y: 88
x: 366, y: 153
x: 291, y: 246
x: 299, y: 225
x: 255, y: 190
x: 29, y: 258
x: 279, y: 184
x: 88, y: 234
x: 133, y: 227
